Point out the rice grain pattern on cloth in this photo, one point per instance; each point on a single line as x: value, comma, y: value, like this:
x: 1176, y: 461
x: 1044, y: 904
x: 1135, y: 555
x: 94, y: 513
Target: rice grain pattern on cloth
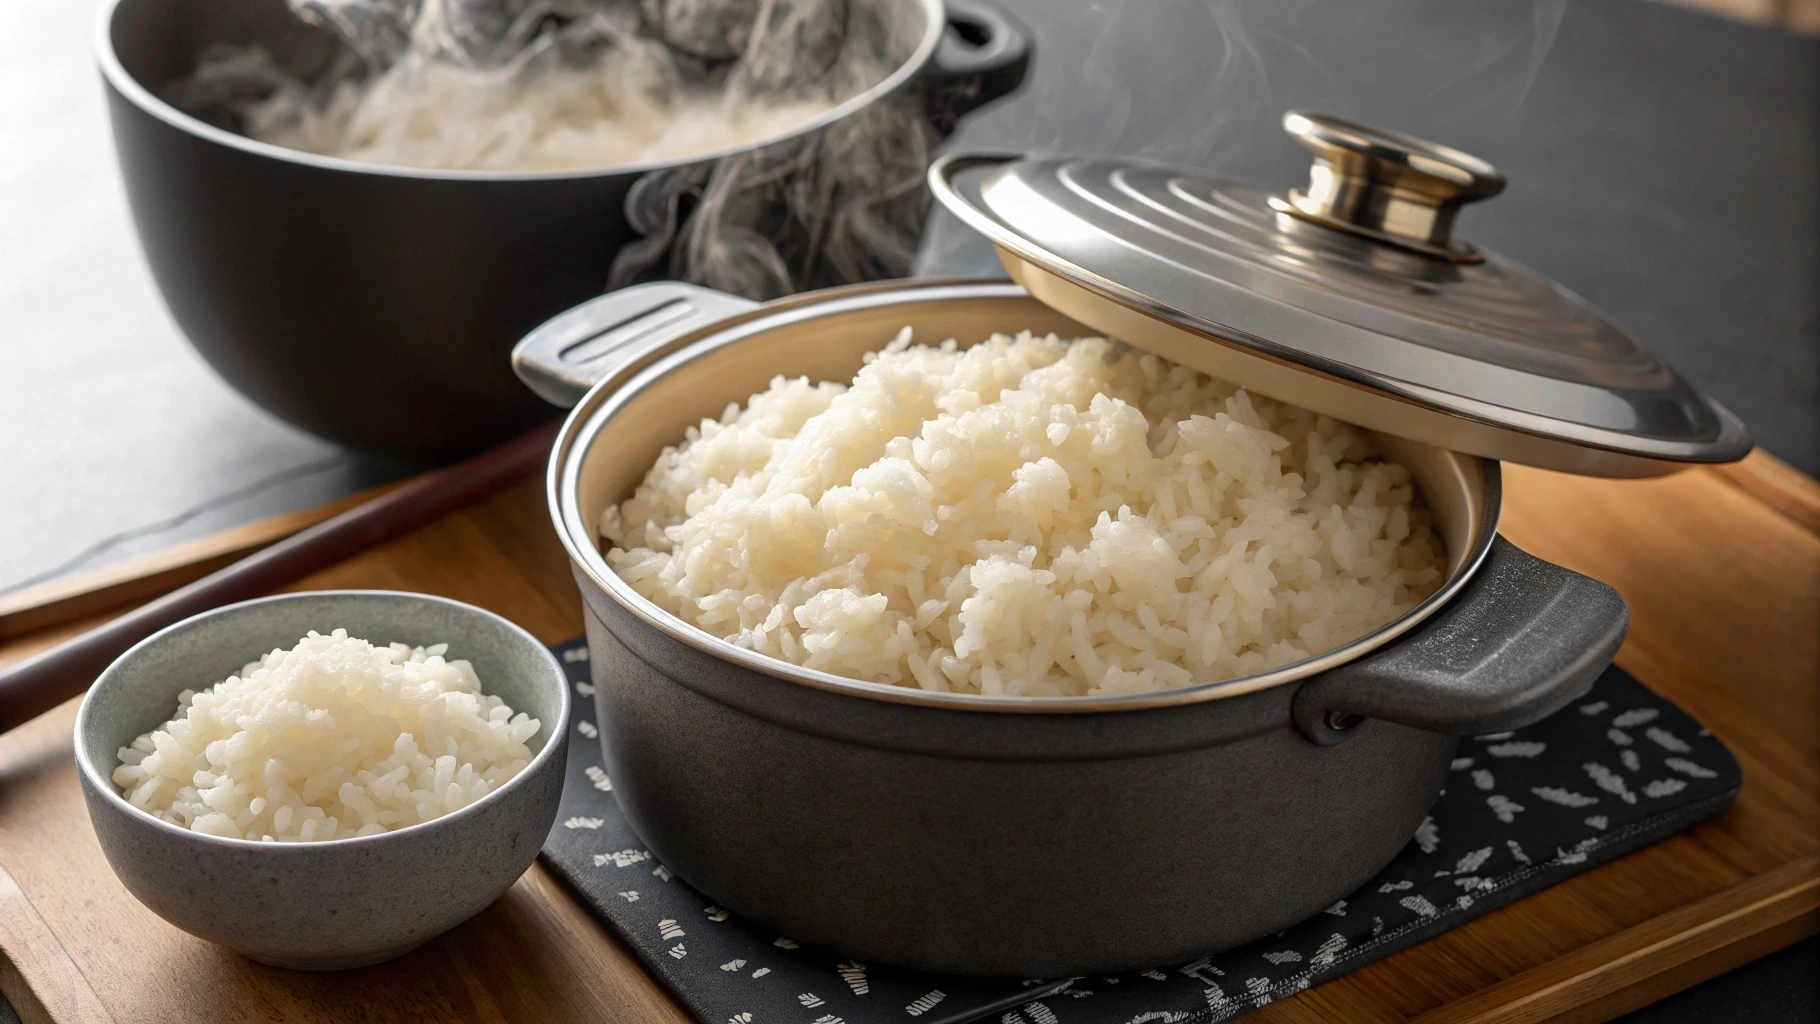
x: 1027, y: 517
x: 1615, y: 771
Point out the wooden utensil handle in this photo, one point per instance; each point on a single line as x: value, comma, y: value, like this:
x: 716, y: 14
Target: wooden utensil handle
x: 40, y: 683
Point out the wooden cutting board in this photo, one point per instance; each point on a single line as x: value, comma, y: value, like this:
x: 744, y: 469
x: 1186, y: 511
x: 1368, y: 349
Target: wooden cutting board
x: 1722, y: 571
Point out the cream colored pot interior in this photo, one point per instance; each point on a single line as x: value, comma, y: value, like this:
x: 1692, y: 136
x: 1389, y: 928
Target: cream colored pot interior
x: 619, y: 430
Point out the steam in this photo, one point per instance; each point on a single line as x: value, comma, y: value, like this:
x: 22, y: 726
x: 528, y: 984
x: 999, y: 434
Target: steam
x: 844, y: 205
x: 554, y: 84
x: 837, y: 206
x: 1234, y: 66
x: 1205, y: 83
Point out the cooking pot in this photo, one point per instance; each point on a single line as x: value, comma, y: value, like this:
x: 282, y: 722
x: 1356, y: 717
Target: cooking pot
x: 1060, y: 836
x: 374, y: 305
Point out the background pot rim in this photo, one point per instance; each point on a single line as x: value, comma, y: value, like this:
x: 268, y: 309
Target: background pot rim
x: 587, y: 420
x: 128, y: 87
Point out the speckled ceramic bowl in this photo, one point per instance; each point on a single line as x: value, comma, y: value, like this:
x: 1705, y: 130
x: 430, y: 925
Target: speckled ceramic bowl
x: 345, y: 902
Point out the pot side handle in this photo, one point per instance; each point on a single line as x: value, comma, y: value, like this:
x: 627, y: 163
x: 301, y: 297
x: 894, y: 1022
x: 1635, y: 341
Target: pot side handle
x: 983, y: 55
x: 1516, y: 645
x: 567, y: 354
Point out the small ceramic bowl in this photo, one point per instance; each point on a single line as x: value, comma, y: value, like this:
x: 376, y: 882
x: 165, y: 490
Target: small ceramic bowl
x: 344, y: 902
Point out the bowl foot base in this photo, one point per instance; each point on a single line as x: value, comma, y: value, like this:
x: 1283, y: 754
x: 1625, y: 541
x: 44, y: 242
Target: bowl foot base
x: 337, y: 964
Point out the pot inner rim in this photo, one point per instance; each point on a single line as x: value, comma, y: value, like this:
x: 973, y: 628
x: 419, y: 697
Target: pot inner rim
x: 114, y: 70
x: 1463, y: 491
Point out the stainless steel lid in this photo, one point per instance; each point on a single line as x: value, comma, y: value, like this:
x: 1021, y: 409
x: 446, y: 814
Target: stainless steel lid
x: 1350, y: 296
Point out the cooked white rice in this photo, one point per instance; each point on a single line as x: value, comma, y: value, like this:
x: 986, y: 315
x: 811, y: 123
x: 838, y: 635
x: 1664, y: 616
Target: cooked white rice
x: 333, y: 739
x: 1029, y: 516
x: 458, y: 118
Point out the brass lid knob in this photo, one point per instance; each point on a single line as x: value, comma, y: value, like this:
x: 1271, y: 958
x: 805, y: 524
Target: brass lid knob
x: 1386, y: 186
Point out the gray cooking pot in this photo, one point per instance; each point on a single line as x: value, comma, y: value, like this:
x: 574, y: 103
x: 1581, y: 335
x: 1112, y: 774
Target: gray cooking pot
x: 1043, y: 837
x: 374, y: 305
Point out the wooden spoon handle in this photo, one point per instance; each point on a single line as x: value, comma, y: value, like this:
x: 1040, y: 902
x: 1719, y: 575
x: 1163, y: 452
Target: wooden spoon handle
x: 39, y: 683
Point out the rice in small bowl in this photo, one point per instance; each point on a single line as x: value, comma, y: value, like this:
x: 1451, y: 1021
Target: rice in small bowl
x: 334, y: 738
x: 305, y: 901
x: 1029, y: 516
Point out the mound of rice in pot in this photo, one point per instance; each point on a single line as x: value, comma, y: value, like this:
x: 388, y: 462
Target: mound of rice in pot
x: 1028, y: 516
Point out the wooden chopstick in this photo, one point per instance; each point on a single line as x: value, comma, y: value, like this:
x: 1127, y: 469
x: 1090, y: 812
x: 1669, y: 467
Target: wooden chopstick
x: 137, y: 579
x: 37, y: 684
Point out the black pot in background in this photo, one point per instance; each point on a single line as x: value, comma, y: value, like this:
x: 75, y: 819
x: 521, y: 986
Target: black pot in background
x: 377, y: 306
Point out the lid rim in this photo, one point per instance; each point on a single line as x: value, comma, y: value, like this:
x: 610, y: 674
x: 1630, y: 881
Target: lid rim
x: 1722, y: 437
x: 1732, y: 444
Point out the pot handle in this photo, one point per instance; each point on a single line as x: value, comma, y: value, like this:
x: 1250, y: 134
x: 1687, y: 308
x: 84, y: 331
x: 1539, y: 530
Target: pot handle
x: 567, y: 354
x: 1516, y: 645
x: 984, y: 54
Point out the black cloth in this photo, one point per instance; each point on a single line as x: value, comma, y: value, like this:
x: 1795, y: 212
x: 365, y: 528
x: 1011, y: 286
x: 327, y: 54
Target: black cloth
x: 1616, y: 771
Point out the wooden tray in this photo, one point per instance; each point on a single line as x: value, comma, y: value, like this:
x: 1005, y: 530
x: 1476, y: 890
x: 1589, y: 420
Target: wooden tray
x: 1722, y: 571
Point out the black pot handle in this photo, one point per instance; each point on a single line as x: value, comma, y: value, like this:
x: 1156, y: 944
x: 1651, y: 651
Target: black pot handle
x: 984, y: 54
x: 1523, y: 639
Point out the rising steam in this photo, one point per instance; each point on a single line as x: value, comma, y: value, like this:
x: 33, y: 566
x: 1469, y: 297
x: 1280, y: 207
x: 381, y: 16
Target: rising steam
x: 1204, y: 82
